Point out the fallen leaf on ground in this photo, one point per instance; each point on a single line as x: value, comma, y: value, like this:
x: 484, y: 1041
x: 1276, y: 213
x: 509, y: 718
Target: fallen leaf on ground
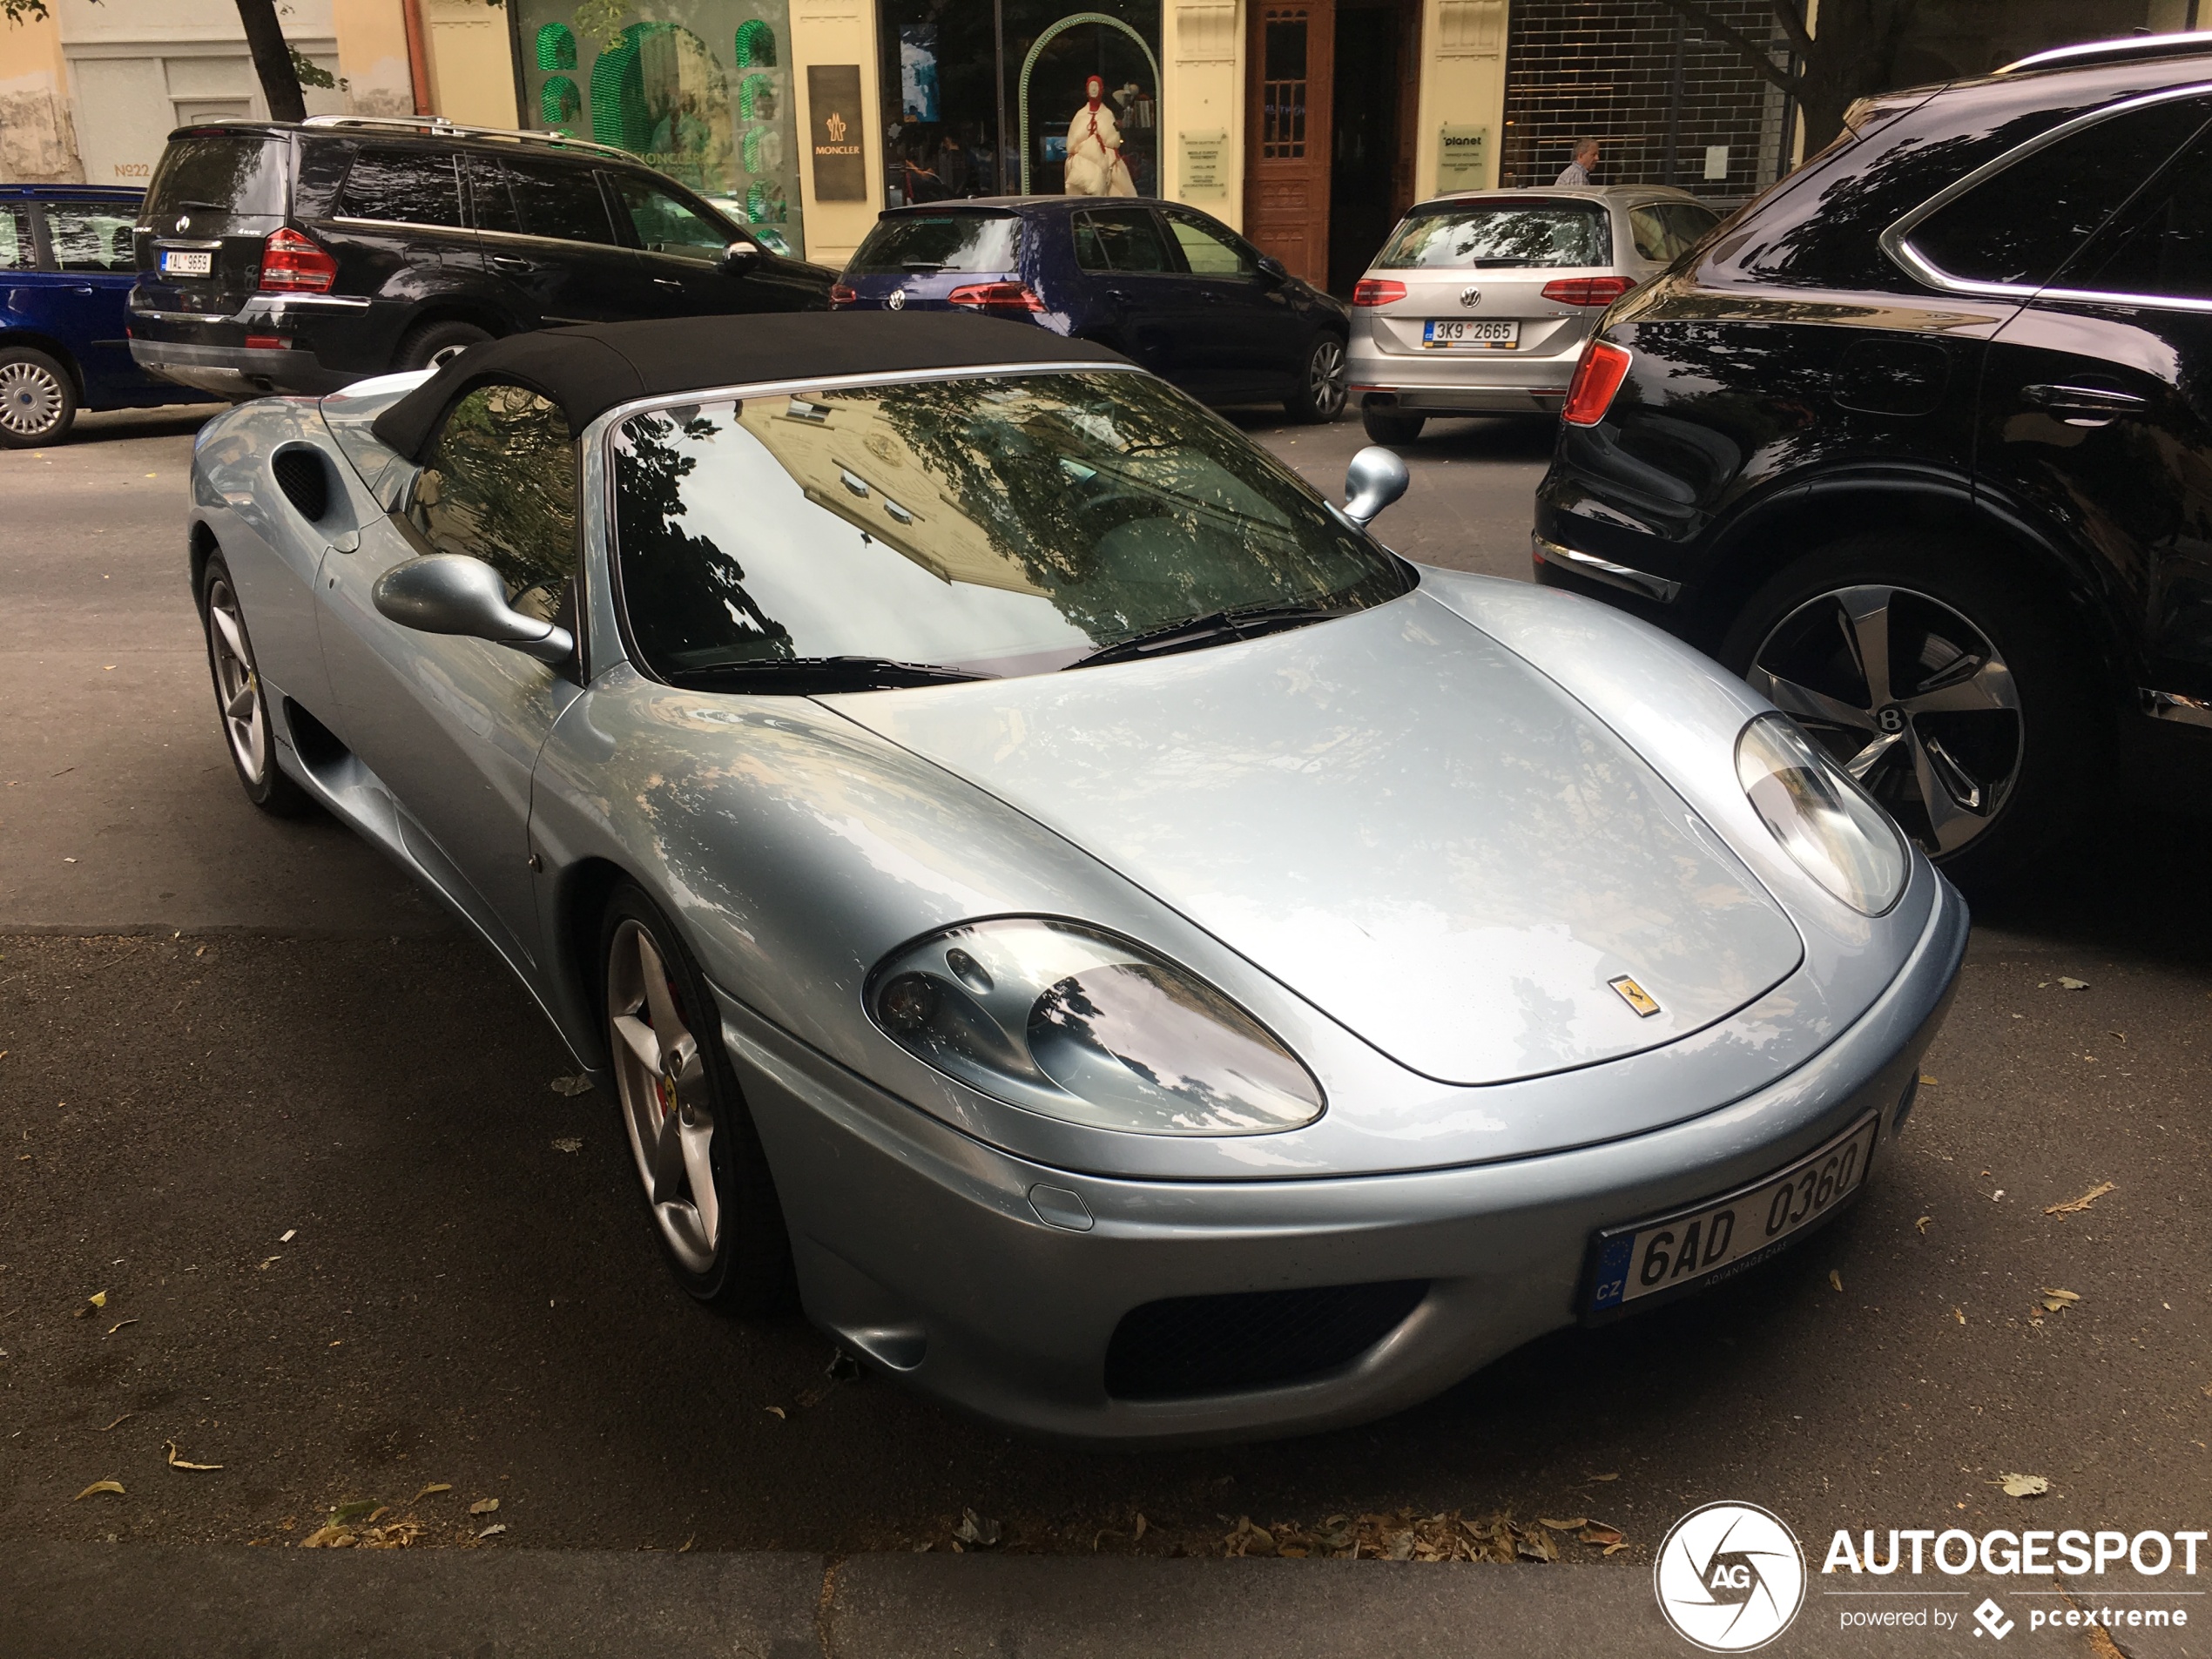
x: 1537, y: 1545
x: 98, y: 1298
x: 2060, y: 1296
x: 1576, y: 1525
x: 579, y: 1084
x: 976, y: 1529
x: 115, y: 1486
x: 346, y: 1514
x: 2024, y: 1486
x: 266, y: 1265
x: 127, y: 1416
x: 483, y: 1506
x: 568, y: 1144
x: 118, y: 1324
x: 1927, y: 1082
x: 2065, y: 984
x: 2075, y: 1206
x: 777, y: 1412
x: 1141, y: 1523
x: 494, y: 1530
x: 1959, y: 1314
x: 1615, y: 1476
x: 177, y: 1462
x: 1923, y: 1224
x: 435, y: 1488
x: 289, y: 1233
x: 1598, y: 1532
x: 684, y: 1548
x: 1834, y: 1279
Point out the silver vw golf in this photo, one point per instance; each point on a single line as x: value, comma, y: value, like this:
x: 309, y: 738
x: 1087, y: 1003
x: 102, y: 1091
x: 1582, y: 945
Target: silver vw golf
x: 1052, y: 898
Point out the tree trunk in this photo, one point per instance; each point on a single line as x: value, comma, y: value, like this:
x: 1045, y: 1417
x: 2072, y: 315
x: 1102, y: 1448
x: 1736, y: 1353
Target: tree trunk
x: 273, y: 60
x: 1853, y: 55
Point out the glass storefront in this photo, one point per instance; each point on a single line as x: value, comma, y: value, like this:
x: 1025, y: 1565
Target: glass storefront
x: 979, y: 99
x: 700, y: 89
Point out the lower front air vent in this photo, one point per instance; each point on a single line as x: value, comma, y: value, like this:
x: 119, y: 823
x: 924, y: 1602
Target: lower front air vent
x: 1189, y: 1345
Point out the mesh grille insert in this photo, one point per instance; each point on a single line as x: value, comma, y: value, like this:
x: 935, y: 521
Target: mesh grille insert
x: 299, y: 475
x: 1216, y: 1344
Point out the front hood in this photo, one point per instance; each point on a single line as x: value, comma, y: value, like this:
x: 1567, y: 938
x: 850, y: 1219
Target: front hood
x: 1395, y: 816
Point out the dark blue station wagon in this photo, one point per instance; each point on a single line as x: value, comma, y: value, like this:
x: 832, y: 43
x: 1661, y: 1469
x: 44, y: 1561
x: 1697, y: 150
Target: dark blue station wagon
x: 1162, y: 283
x: 66, y: 264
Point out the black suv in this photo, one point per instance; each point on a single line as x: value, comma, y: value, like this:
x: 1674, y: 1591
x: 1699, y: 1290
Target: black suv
x: 1920, y: 442
x: 281, y: 258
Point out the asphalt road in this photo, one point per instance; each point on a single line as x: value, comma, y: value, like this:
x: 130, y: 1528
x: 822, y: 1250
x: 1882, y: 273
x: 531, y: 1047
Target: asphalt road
x: 299, y: 1132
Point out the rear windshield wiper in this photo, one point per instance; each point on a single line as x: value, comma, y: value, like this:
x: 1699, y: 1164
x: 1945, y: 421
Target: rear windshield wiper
x: 1249, y: 621
x: 799, y: 676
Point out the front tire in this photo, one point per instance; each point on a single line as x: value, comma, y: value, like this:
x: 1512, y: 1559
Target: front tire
x: 241, y: 700
x: 1944, y: 683
x: 1385, y: 426
x: 37, y: 399
x: 432, y: 345
x: 1320, y: 394
x: 699, y: 1156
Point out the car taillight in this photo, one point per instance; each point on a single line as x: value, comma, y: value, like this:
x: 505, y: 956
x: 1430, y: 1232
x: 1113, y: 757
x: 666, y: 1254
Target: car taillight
x: 1377, y: 291
x: 1597, y: 377
x: 1588, y: 291
x: 841, y: 295
x: 996, y: 296
x: 292, y: 264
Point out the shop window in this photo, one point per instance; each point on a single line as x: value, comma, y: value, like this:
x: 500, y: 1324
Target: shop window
x: 756, y: 44
x: 557, y: 46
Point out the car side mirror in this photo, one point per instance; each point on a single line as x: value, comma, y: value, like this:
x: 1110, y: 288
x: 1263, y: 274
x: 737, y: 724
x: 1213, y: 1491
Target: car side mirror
x: 1375, y: 478
x: 740, y: 257
x: 450, y: 593
x: 1272, y: 270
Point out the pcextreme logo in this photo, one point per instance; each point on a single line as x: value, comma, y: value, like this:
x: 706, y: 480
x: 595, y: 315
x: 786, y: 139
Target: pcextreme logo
x: 1730, y: 1577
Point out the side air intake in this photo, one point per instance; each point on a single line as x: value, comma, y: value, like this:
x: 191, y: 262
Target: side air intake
x: 304, y: 477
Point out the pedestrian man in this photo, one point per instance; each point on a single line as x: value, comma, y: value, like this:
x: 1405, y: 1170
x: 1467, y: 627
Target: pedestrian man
x: 1578, y: 170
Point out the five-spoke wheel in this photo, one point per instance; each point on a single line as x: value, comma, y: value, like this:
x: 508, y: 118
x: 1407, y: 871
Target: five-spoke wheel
x: 241, y: 700
x: 1942, y: 677
x: 699, y: 1156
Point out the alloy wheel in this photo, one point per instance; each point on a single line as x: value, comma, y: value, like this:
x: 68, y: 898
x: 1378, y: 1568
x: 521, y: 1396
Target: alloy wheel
x: 237, y: 688
x: 32, y: 400
x: 1910, y: 698
x: 445, y: 355
x: 1325, y: 378
x: 661, y: 1079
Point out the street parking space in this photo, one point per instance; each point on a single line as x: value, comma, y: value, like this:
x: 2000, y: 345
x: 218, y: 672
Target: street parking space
x: 286, y: 1185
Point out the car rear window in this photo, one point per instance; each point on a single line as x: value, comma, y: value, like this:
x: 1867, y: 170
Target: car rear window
x: 1468, y: 236
x: 240, y: 173
x: 988, y: 242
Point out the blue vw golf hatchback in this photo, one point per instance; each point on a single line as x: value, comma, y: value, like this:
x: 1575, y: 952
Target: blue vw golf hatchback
x: 67, y: 262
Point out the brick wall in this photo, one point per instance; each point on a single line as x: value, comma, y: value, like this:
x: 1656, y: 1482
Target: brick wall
x: 1603, y: 69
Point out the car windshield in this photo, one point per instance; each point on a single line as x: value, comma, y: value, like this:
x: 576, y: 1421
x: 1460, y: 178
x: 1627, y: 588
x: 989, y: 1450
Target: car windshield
x: 1480, y: 235
x: 1006, y: 525
x: 234, y: 173
x: 940, y: 242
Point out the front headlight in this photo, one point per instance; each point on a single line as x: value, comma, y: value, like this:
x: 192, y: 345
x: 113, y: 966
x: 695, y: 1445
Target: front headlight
x: 1084, y: 1027
x: 1823, y: 818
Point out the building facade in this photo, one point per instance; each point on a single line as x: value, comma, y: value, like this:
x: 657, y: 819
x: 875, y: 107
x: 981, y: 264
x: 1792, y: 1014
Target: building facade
x: 1309, y: 125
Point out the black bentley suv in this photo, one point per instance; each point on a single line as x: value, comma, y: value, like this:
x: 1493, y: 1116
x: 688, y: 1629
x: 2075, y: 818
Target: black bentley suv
x: 1920, y: 442
x: 281, y: 258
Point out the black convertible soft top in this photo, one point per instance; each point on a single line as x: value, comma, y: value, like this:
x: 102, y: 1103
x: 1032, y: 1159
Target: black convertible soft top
x: 589, y: 369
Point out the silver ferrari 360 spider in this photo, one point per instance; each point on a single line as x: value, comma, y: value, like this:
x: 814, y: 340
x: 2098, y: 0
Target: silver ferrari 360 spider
x: 1054, y: 897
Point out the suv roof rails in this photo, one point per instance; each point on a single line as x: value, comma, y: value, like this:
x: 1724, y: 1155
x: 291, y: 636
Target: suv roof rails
x: 2126, y: 49
x: 438, y: 126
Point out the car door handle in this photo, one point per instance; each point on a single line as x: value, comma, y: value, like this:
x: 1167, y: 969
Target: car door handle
x: 668, y: 282
x: 510, y: 262
x: 2097, y: 403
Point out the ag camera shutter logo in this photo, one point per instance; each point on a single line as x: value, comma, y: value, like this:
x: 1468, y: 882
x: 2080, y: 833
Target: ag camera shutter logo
x: 1730, y: 1577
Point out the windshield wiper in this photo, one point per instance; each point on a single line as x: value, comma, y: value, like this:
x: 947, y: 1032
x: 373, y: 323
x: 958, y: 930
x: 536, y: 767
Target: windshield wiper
x: 800, y: 676
x: 1248, y: 622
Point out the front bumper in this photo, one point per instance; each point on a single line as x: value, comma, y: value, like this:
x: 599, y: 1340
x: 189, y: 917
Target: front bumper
x: 936, y: 1256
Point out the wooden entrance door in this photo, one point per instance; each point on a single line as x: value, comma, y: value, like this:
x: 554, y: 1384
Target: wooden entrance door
x: 1286, y: 149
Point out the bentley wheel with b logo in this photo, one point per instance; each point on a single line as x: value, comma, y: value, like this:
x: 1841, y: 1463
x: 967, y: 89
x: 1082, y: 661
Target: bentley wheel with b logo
x: 1730, y: 1577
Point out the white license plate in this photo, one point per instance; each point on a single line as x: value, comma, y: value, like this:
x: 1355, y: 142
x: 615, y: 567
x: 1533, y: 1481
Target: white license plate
x: 1444, y: 333
x: 1728, y: 1235
x: 179, y: 262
